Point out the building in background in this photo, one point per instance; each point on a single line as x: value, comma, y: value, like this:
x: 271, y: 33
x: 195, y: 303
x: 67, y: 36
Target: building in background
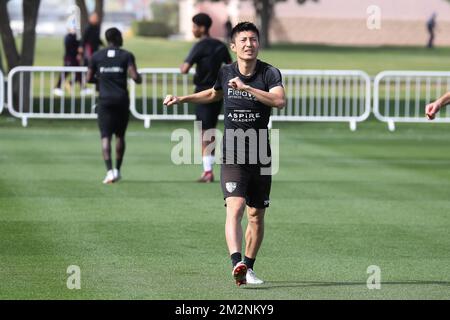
x: 337, y: 22
x: 53, y: 14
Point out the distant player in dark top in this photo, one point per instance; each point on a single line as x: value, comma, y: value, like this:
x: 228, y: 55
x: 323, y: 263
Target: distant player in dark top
x: 89, y: 44
x: 109, y: 68
x: 431, y: 25
x: 208, y: 55
x: 249, y: 88
x: 71, y: 44
x: 90, y: 41
x: 228, y: 28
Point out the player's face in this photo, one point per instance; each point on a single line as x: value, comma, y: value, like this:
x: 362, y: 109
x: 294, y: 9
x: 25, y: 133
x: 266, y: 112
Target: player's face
x: 246, y: 45
x: 197, y: 31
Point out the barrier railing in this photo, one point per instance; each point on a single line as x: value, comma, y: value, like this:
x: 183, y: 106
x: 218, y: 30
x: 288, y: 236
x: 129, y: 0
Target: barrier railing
x: 325, y: 96
x: 312, y: 95
x: 401, y: 96
x: 33, y: 92
x: 2, y: 92
x: 146, y: 99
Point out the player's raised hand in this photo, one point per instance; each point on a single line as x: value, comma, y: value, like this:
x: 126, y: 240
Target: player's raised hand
x: 171, y: 100
x: 236, y: 83
x: 431, y: 110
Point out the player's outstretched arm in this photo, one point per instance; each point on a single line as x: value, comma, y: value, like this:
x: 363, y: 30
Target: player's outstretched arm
x: 274, y: 98
x: 134, y: 74
x: 432, y: 108
x: 185, y: 67
x: 202, y: 97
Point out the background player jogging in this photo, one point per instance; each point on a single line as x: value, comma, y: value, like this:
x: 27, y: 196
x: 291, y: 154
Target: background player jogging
x: 208, y: 55
x: 109, y: 67
x: 249, y: 89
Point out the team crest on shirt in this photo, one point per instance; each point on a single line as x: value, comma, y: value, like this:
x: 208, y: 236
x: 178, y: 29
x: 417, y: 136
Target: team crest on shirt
x: 231, y: 186
x: 111, y: 53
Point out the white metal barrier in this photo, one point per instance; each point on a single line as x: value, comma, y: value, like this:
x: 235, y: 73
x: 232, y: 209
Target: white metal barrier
x: 2, y: 93
x: 312, y: 95
x: 146, y: 99
x: 401, y: 96
x: 325, y: 96
x: 32, y: 94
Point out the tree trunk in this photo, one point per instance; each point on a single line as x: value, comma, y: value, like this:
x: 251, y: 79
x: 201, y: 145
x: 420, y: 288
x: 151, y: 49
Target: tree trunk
x: 264, y: 12
x: 99, y: 10
x: 1, y: 63
x: 30, y: 15
x: 83, y: 15
x: 9, y: 44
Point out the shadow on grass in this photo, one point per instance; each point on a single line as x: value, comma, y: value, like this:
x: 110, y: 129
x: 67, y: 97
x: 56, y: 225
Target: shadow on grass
x: 307, y: 284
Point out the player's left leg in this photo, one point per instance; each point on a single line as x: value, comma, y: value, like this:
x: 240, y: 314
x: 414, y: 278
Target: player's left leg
x: 257, y: 202
x: 233, y: 227
x: 120, y: 153
x: 254, y: 236
x: 234, y: 185
x: 208, y: 155
x: 208, y: 116
x: 121, y: 124
x: 105, y: 125
x: 233, y: 235
x: 106, y: 151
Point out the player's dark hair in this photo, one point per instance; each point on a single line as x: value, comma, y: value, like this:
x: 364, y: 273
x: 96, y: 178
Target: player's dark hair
x: 202, y: 20
x: 243, y: 26
x: 114, y: 36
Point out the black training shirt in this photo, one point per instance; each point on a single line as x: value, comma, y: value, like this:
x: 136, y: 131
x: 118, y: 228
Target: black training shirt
x: 71, y: 45
x: 242, y: 110
x: 110, y: 67
x: 91, y: 36
x: 208, y: 55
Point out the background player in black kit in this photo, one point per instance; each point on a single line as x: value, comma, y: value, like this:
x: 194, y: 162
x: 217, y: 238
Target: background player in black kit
x: 71, y: 44
x: 249, y: 88
x: 89, y: 44
x: 208, y: 55
x: 109, y: 68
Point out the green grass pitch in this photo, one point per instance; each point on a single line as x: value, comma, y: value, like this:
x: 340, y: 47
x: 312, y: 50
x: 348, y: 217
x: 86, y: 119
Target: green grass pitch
x: 154, y: 52
x: 342, y: 201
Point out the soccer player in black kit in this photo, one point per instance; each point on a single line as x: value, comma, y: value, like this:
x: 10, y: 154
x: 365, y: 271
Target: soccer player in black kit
x: 70, y: 60
x: 109, y: 68
x: 208, y: 55
x: 249, y: 88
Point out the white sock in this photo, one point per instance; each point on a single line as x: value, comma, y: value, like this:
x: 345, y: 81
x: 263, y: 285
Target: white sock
x: 206, y: 163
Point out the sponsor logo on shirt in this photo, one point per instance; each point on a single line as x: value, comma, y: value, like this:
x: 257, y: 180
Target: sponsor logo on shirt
x: 243, y: 116
x: 111, y: 69
x: 239, y: 94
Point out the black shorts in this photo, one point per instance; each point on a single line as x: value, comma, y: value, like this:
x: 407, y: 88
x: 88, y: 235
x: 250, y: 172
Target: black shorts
x: 113, y: 119
x: 246, y: 181
x: 208, y: 114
